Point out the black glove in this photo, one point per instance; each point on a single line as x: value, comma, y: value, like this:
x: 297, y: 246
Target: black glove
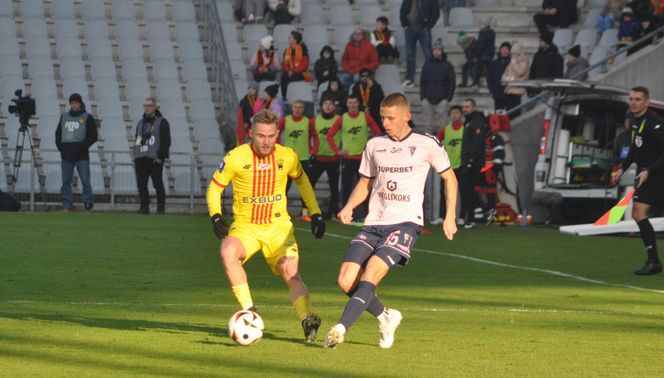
x: 317, y: 225
x: 219, y: 226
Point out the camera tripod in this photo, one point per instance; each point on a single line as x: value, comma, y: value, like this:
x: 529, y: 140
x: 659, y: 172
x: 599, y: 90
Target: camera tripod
x: 23, y: 134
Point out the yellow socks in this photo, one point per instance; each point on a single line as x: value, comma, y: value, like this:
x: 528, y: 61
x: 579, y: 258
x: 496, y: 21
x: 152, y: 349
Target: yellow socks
x: 302, y: 306
x: 243, y: 295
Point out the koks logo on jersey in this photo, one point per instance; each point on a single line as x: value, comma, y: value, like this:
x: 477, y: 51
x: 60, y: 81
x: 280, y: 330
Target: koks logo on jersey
x: 391, y: 185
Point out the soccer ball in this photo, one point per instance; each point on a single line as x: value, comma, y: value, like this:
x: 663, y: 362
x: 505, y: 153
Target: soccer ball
x: 245, y: 327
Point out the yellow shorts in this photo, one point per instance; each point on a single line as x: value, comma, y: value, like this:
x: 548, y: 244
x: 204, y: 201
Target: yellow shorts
x: 275, y: 240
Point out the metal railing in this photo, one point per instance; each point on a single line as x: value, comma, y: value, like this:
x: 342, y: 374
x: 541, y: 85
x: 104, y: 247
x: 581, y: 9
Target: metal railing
x: 654, y: 35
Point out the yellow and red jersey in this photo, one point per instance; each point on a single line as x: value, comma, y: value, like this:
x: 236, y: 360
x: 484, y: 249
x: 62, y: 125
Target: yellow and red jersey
x: 259, y: 184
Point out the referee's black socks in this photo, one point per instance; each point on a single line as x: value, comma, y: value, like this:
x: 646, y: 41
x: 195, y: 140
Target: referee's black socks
x: 648, y: 236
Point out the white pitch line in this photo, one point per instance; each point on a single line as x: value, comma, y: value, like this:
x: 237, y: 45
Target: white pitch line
x: 528, y: 268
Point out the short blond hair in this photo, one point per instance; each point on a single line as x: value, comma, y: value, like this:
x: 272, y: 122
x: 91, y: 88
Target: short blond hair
x: 395, y: 99
x: 265, y: 116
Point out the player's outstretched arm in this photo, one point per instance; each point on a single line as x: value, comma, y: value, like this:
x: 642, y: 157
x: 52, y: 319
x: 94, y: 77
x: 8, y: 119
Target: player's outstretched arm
x: 451, y: 192
x: 359, y: 194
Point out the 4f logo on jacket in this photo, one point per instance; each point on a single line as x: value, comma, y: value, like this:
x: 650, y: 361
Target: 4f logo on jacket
x: 295, y: 133
x: 354, y: 130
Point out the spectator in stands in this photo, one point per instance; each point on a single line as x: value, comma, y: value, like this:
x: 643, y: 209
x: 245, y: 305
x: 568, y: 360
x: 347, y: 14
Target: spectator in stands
x: 417, y: 19
x: 484, y: 50
x: 284, y: 11
x: 335, y: 92
x: 555, y: 13
x: 648, y: 25
x: 386, y: 43
x: 295, y: 62
x: 370, y: 94
x: 547, y: 62
x: 575, y: 64
x: 517, y: 70
x: 264, y: 63
x: 611, y: 12
x: 437, y: 86
x: 629, y: 28
x: 354, y: 127
x: 254, y: 10
x: 152, y: 141
x: 75, y: 134
x: 270, y: 100
x: 494, y: 75
x: 470, y: 51
x: 359, y: 53
x: 640, y: 8
x: 326, y: 66
x: 244, y: 113
x: 323, y: 159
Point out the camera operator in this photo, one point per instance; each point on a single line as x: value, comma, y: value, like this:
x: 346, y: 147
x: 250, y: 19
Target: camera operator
x: 76, y: 133
x: 153, y: 139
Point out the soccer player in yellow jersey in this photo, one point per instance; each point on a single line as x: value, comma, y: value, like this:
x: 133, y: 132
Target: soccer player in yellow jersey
x: 259, y: 171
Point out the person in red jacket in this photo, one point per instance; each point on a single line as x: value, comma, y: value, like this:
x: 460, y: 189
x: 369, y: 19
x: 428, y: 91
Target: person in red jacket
x: 359, y: 54
x: 295, y: 62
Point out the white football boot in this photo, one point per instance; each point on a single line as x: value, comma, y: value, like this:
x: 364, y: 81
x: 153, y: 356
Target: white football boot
x: 388, y: 327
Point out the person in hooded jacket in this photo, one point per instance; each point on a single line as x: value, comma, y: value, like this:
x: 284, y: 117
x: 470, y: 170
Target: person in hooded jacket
x: 151, y: 144
x: 335, y: 92
x: 326, y: 66
x: 575, y: 64
x: 495, y: 75
x: 75, y: 134
x: 547, y: 62
x: 437, y: 86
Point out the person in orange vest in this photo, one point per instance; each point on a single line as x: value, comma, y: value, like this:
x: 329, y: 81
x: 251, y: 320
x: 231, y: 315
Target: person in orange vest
x: 354, y: 126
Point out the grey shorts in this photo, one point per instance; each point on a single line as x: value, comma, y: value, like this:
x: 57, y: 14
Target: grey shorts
x: 391, y: 243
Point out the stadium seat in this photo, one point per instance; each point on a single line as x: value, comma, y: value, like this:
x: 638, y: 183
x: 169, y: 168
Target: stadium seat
x: 96, y: 29
x: 44, y: 87
x: 124, y: 178
x: 38, y: 47
x: 252, y: 35
x: 113, y: 127
x: 609, y: 38
x: 72, y: 67
x: 10, y: 65
x: 7, y: 28
x: 486, y: 3
x: 461, y: 17
x: 368, y: 15
x: 169, y: 89
x: 194, y: 70
x: 198, y: 89
x: 165, y: 70
x: 109, y: 107
x: 563, y: 38
x: 68, y: 48
x: 161, y: 50
x: 192, y: 50
x: 300, y: 90
x: 126, y: 30
x: 342, y: 35
x: 154, y: 10
x: 102, y: 68
x: 76, y: 85
x: 225, y: 11
x: 94, y: 10
x: 312, y: 14
x: 99, y: 48
x: 341, y: 14
x: 264, y: 84
x: 34, y: 27
x: 392, y: 88
x: 387, y: 74
x: 10, y: 84
x: 48, y: 106
x: 234, y: 50
x: 281, y: 34
x: 211, y: 146
x: 203, y: 109
x: 239, y: 70
x: 229, y: 31
x: 183, y: 11
x: 37, y: 68
x: 9, y: 46
x: 130, y: 49
x: 63, y: 10
x: 157, y: 31
x: 599, y: 53
x: 186, y: 31
x: 32, y: 9
x: 7, y: 9
x: 592, y: 17
x: 587, y: 39
x: 123, y: 10
x: 133, y: 68
x: 106, y: 87
x: 65, y: 29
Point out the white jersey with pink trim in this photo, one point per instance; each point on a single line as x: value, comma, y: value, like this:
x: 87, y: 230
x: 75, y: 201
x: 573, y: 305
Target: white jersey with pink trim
x: 399, y: 171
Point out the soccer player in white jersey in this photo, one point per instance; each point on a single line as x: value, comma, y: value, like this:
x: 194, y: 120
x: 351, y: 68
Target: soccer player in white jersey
x: 393, y: 171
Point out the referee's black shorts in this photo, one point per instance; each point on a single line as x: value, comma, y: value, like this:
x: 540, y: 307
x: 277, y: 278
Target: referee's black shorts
x: 652, y: 191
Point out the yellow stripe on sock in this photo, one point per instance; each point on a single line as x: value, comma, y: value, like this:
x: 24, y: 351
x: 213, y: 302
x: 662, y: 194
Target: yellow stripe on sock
x: 243, y: 295
x: 302, y: 306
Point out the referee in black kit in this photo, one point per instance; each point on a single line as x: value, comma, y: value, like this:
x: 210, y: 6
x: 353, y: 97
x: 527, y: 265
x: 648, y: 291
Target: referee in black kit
x: 647, y: 151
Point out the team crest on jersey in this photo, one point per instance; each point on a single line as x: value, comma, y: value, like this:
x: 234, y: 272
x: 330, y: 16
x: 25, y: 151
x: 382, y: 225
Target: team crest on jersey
x: 638, y: 141
x: 412, y: 150
x: 264, y: 167
x: 221, y: 166
x: 391, y: 185
x: 280, y: 164
x: 81, y: 121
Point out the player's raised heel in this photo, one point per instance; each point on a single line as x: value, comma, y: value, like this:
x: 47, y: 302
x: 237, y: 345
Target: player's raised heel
x: 310, y: 326
x: 389, y: 327
x: 334, y: 338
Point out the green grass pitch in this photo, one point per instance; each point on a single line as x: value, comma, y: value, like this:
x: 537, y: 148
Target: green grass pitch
x: 122, y: 294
